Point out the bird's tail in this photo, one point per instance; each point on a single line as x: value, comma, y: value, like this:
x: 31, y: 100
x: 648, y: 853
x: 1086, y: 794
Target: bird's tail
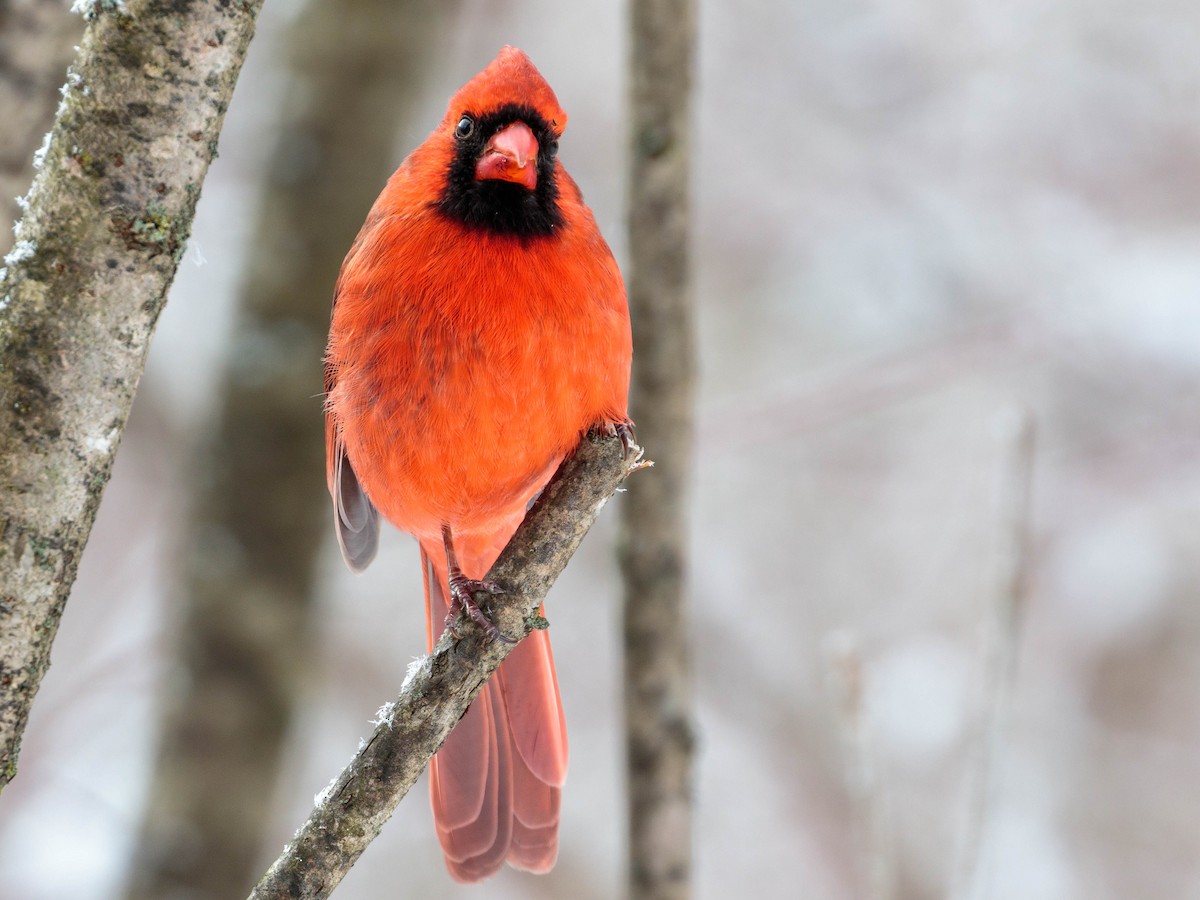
x: 496, y: 782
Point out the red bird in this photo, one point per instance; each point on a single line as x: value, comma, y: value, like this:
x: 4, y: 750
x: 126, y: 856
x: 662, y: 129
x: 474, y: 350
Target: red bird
x: 479, y: 329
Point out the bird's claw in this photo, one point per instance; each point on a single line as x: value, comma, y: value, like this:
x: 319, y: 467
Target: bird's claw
x: 628, y: 438
x: 624, y: 431
x: 462, y: 599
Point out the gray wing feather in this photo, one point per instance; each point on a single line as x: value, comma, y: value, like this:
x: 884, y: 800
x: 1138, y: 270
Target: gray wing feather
x: 355, y: 515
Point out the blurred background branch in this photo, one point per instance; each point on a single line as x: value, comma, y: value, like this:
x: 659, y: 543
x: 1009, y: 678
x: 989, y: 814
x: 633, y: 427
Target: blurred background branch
x: 1003, y: 614
x: 871, y: 821
x: 259, y: 511
x: 654, y: 541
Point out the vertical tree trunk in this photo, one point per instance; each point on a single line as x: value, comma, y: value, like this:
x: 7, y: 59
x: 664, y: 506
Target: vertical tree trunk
x: 654, y: 513
x: 261, y: 510
x: 107, y: 221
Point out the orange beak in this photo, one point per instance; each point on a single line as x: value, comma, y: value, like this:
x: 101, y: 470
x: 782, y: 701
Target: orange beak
x: 511, y: 155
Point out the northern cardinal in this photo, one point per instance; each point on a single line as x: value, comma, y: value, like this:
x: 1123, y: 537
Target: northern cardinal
x: 479, y: 328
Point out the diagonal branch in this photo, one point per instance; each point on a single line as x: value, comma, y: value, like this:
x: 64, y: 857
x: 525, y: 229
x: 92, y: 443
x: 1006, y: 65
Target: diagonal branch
x: 104, y: 228
x: 352, y: 810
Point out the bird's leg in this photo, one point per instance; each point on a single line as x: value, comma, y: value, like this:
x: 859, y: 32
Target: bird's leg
x: 462, y: 590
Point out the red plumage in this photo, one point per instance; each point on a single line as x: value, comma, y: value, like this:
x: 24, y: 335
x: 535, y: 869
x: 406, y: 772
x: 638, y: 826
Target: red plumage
x: 479, y: 329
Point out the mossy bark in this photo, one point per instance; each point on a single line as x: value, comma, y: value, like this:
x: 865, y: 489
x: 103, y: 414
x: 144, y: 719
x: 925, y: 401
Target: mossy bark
x: 107, y: 221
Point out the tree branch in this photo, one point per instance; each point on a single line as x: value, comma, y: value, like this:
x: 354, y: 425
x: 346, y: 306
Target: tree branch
x: 440, y: 686
x: 105, y: 225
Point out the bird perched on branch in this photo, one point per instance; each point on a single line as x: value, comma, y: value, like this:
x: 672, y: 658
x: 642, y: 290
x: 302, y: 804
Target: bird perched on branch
x: 479, y: 328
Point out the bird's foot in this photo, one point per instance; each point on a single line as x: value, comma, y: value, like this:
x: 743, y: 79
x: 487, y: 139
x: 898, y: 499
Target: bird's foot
x: 623, y: 430
x: 462, y: 599
x: 628, y: 438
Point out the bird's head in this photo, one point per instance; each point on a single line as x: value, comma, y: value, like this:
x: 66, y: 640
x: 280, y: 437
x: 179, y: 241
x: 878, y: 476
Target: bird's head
x: 502, y: 130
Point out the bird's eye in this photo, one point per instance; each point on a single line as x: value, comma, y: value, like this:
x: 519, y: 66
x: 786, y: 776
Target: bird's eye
x: 466, y: 125
x: 552, y: 149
